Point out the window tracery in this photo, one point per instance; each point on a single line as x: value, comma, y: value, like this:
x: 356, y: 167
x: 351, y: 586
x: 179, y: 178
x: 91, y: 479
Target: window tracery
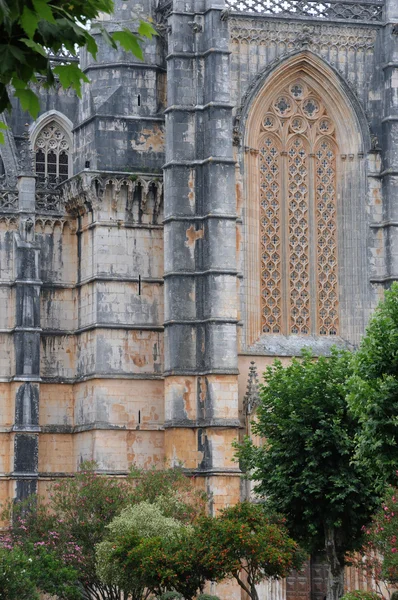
x: 52, y: 154
x: 298, y: 235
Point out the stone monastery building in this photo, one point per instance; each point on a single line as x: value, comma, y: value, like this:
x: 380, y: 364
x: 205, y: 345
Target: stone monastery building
x: 233, y: 197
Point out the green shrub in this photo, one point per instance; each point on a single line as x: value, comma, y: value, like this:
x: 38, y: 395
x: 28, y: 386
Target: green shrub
x: 171, y: 596
x: 360, y: 595
x: 208, y: 597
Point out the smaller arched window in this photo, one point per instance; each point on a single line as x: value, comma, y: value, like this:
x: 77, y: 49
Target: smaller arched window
x: 52, y: 154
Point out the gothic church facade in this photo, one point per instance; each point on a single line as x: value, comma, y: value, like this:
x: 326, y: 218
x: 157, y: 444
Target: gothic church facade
x: 231, y: 198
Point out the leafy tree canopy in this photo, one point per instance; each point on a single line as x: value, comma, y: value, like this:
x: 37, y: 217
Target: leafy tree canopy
x: 134, y: 524
x: 29, y: 29
x: 305, y: 468
x: 373, y: 391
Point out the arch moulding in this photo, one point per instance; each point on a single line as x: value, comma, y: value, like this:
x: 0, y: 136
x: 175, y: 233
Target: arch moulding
x: 351, y: 136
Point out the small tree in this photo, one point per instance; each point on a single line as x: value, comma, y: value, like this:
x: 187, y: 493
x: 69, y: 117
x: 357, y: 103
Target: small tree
x: 373, y: 389
x: 147, y: 553
x: 246, y: 544
x: 129, y: 533
x: 305, y: 468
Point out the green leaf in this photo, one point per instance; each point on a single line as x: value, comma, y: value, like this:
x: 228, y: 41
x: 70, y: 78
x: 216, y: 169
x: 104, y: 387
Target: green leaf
x: 145, y: 29
x: 109, y: 40
x: 34, y: 46
x: 29, y: 101
x: 29, y: 21
x: 71, y: 76
x: 43, y: 10
x: 17, y: 54
x: 3, y: 126
x: 92, y: 47
x: 129, y: 42
x: 7, y: 60
x: 18, y: 84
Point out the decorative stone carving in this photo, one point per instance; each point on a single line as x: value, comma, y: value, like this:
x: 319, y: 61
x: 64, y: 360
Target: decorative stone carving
x: 48, y: 201
x: 8, y: 200
x: 259, y: 31
x: 252, y: 396
x: 349, y: 11
x: 46, y: 224
x: 86, y: 191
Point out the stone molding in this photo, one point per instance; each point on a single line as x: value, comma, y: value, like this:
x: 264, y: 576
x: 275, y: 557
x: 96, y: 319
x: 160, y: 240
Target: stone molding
x: 86, y: 191
x: 294, y: 35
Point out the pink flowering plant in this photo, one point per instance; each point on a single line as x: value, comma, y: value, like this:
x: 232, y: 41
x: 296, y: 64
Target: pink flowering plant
x: 27, y: 573
x: 379, y: 556
x: 73, y: 519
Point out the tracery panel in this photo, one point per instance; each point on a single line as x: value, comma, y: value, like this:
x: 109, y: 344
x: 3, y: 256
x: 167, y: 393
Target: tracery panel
x: 270, y: 235
x: 298, y: 235
x: 297, y: 161
x: 325, y: 172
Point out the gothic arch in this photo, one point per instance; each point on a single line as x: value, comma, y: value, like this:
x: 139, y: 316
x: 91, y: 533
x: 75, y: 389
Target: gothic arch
x: 331, y: 137
x: 52, y: 144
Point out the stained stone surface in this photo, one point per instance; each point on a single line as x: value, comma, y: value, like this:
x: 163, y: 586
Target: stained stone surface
x: 130, y: 295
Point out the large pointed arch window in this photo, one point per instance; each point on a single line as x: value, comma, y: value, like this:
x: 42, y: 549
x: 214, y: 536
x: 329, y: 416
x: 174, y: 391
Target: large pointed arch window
x: 298, y: 236
x: 52, y: 154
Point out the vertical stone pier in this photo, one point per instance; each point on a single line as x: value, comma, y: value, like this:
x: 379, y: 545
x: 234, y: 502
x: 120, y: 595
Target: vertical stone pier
x: 390, y: 139
x: 26, y: 337
x: 201, y: 389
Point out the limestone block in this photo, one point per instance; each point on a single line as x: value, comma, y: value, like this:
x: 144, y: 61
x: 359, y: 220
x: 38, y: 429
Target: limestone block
x: 6, y: 453
x: 7, y: 355
x: 180, y: 398
x: 58, y: 308
x: 56, y: 404
x: 225, y: 490
x: 129, y: 252
x: 86, y: 353
x: 145, y: 448
x: 7, y: 307
x: 6, y: 252
x: 58, y: 254
x: 120, y: 403
x: 56, y: 453
x: 220, y: 447
x: 129, y: 303
x: 133, y: 351
x: 181, y: 448
x: 58, y: 356
x: 7, y: 413
x: 87, y: 305
x: 117, y: 450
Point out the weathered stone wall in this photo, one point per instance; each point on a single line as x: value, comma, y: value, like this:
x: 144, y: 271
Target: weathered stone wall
x: 128, y: 322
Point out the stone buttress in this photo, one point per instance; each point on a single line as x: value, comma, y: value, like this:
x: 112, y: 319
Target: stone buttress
x: 201, y: 394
